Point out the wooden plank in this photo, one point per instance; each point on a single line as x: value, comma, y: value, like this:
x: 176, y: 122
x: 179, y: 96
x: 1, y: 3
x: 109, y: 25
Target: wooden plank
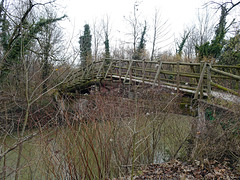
x: 143, y: 70
x: 158, y: 72
x: 226, y: 66
x: 209, y: 91
x: 100, y: 69
x: 128, y: 71
x: 200, y: 81
x: 224, y: 88
x: 201, y: 87
x: 109, y: 67
x: 225, y: 73
x: 178, y: 76
x: 120, y: 70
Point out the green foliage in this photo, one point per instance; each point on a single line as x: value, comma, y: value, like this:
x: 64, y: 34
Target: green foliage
x: 16, y: 44
x: 181, y: 45
x: 231, y: 51
x: 85, y: 45
x: 142, y: 44
x: 203, y: 50
x: 214, y: 49
x: 4, y: 35
x: 107, y: 49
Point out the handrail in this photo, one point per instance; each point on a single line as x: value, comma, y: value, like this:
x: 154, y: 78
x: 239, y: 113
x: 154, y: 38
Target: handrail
x: 194, y: 75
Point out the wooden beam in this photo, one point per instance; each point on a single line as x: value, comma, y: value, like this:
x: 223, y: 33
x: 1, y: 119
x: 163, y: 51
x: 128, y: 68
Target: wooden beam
x: 128, y: 71
x: 209, y: 91
x: 109, y: 67
x: 100, y: 69
x: 224, y: 88
x: 158, y: 72
x: 225, y: 73
x: 178, y: 76
x: 200, y: 81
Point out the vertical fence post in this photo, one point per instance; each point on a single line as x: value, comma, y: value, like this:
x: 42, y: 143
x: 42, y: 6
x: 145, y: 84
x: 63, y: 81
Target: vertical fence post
x: 143, y: 70
x: 209, y: 92
x: 100, y: 69
x: 130, y: 62
x: 130, y: 72
x: 178, y: 76
x: 120, y: 70
x: 157, y: 76
x: 200, y: 81
x: 201, y: 87
x: 109, y: 69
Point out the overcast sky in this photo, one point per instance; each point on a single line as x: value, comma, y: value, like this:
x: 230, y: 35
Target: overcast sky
x: 178, y: 13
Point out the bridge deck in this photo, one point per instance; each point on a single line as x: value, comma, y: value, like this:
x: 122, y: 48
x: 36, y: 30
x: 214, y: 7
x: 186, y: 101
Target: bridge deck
x: 220, y: 95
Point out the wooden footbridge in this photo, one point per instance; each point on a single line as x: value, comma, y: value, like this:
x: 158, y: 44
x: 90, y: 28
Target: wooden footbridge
x: 200, y: 79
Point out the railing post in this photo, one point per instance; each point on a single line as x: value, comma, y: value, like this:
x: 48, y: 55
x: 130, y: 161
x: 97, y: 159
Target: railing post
x: 128, y: 71
x: 120, y: 70
x: 101, y: 67
x: 157, y: 74
x: 143, y: 71
x: 209, y: 92
x: 178, y: 76
x: 200, y: 81
x: 109, y: 69
x: 201, y: 87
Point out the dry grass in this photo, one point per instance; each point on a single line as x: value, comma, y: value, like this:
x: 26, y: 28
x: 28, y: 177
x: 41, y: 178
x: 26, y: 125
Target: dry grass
x: 102, y: 136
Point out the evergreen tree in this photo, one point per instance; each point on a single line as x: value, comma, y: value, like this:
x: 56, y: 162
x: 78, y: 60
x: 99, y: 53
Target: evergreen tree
x: 4, y: 25
x: 142, y: 44
x: 231, y: 51
x: 85, y: 45
x: 213, y: 49
x: 107, y: 48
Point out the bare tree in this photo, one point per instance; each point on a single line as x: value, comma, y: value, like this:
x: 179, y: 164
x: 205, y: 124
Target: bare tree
x: 135, y: 24
x: 97, y: 38
x: 230, y: 5
x: 160, y: 32
x: 231, y: 8
x: 199, y: 33
x: 30, y: 53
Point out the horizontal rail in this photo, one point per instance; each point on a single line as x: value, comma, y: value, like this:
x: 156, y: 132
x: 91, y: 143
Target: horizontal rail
x: 225, y: 73
x: 191, y: 76
x: 224, y: 88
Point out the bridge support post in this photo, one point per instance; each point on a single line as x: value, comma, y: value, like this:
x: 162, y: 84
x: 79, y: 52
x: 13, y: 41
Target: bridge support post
x: 201, y: 123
